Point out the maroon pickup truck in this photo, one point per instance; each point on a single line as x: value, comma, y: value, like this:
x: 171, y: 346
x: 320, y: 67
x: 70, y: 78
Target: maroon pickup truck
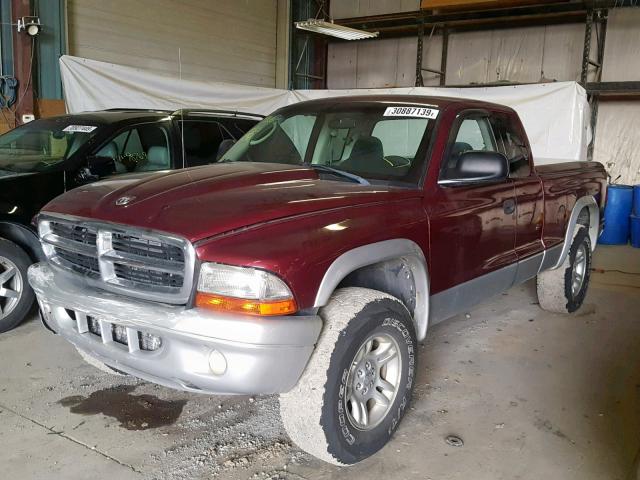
x: 315, y: 256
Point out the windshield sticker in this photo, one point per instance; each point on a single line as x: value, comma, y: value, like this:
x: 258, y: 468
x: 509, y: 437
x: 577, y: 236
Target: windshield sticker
x: 79, y: 128
x: 417, y: 112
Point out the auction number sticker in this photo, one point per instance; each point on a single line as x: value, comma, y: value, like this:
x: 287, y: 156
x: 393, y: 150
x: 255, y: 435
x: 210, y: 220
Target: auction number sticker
x: 417, y: 112
x: 79, y: 128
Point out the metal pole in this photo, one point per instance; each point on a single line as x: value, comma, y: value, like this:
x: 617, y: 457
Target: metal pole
x: 443, y: 57
x: 419, y: 79
x: 586, y: 52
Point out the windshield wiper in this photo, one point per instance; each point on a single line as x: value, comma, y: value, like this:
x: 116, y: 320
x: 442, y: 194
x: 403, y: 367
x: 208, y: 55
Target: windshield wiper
x: 339, y: 173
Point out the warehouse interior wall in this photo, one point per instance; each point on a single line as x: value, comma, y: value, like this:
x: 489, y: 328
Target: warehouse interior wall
x: 522, y: 55
x: 617, y: 136
x: 227, y: 40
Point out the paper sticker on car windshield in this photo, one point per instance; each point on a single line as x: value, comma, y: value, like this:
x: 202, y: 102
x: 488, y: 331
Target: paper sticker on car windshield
x: 79, y: 128
x: 417, y: 112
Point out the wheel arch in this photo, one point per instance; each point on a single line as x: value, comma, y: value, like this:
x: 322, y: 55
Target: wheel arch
x: 24, y: 237
x: 591, y: 220
x: 397, y: 267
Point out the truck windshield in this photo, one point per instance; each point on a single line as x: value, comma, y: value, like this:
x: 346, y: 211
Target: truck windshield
x: 41, y: 144
x: 378, y: 142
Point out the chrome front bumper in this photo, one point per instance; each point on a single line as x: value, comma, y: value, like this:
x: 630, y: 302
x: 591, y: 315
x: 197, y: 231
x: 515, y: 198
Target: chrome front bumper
x: 262, y: 354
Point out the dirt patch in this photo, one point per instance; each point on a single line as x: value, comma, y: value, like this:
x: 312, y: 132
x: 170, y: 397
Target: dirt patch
x: 134, y: 412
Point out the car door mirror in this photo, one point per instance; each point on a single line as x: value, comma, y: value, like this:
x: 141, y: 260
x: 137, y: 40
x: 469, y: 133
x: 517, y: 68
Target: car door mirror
x: 477, y: 167
x: 101, y: 166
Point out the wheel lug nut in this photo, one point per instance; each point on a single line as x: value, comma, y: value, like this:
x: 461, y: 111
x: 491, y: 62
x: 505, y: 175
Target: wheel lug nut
x: 358, y: 386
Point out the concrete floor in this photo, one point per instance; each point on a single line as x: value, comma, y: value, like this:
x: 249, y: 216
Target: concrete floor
x: 533, y: 395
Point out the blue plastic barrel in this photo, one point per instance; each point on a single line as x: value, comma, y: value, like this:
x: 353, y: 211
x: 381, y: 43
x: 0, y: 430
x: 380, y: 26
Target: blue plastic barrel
x: 616, y: 215
x: 635, y: 231
x: 636, y: 200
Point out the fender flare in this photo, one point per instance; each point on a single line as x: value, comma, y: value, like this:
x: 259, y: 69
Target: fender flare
x: 594, y: 225
x: 378, y: 252
x: 24, y: 237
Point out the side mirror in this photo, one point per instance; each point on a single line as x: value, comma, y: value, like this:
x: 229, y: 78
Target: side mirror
x: 224, y: 147
x: 101, y: 166
x: 477, y: 167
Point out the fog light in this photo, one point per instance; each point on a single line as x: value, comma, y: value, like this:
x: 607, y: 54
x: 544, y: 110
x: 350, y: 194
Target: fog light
x: 217, y: 362
x: 119, y: 333
x: 149, y: 342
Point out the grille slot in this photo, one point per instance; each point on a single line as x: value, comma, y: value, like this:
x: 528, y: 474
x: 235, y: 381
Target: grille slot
x: 147, y: 276
x: 74, y: 233
x: 106, y: 332
x: 146, y: 248
x: 79, y: 261
x: 141, y: 264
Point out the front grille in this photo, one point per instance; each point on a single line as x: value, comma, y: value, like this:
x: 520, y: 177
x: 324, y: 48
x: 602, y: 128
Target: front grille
x: 143, y: 264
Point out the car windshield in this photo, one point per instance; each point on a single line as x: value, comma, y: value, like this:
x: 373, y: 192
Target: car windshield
x: 41, y: 144
x: 377, y: 142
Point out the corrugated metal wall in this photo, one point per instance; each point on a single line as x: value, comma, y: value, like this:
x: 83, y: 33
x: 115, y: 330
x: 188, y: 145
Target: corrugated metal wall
x: 617, y: 143
x: 222, y: 40
x: 524, y: 55
x: 532, y: 54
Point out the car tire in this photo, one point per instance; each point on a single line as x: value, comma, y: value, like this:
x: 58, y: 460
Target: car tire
x: 94, y: 362
x: 336, y: 412
x: 563, y: 290
x: 16, y: 295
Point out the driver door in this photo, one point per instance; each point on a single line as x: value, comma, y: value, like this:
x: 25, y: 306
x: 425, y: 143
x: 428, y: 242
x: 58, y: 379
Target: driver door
x: 472, y: 226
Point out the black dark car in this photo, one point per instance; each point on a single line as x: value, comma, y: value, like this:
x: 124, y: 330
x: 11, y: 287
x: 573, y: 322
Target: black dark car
x: 44, y: 158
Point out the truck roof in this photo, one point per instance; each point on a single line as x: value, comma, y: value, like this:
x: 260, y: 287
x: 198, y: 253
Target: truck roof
x: 437, y: 101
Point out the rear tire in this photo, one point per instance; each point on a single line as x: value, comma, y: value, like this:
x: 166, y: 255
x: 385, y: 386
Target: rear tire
x: 16, y: 295
x: 564, y: 289
x: 358, y: 382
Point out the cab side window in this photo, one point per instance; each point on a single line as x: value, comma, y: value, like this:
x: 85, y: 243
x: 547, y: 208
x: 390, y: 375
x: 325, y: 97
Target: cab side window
x: 512, y: 146
x: 474, y: 134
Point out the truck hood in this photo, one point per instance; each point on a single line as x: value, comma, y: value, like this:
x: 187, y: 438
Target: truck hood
x: 203, y: 202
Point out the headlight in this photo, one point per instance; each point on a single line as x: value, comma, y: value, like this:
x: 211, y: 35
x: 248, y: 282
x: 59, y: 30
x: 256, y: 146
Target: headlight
x: 243, y: 290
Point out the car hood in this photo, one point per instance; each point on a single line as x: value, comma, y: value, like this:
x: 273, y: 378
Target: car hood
x: 203, y: 202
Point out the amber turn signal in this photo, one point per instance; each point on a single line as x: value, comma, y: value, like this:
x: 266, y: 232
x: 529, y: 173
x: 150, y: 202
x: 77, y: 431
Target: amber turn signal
x: 241, y: 305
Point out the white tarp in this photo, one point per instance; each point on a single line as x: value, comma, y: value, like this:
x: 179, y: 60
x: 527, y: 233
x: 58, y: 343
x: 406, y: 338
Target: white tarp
x: 555, y: 115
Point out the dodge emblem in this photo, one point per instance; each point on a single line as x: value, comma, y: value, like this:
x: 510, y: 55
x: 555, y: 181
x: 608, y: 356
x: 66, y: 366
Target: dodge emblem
x: 124, y: 201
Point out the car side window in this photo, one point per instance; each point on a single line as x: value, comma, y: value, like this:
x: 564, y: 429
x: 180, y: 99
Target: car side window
x: 474, y: 134
x: 513, y: 147
x: 143, y: 148
x: 201, y: 141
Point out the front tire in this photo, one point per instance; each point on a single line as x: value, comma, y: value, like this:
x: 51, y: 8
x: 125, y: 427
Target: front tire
x: 564, y: 289
x: 16, y: 295
x: 359, y: 380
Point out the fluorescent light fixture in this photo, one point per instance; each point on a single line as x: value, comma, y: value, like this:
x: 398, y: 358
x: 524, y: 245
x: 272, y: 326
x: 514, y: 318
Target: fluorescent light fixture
x: 333, y: 30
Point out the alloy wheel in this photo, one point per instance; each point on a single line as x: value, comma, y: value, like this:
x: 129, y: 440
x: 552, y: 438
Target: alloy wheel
x: 373, y: 381
x: 11, y: 286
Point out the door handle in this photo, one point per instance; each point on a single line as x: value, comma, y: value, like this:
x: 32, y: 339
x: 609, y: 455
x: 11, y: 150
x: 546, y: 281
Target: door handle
x: 509, y: 206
